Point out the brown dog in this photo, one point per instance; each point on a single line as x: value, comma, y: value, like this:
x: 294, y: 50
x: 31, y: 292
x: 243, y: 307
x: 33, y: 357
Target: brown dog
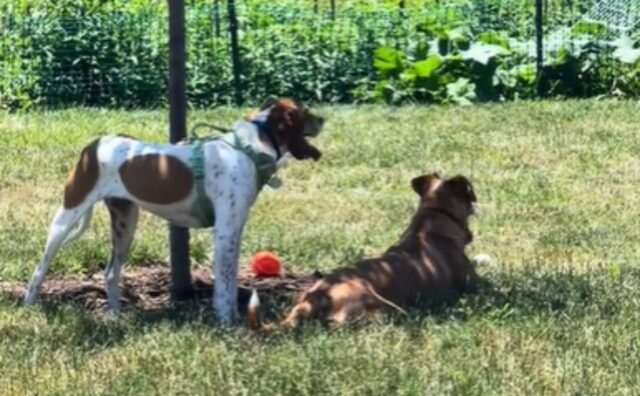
x: 428, y: 263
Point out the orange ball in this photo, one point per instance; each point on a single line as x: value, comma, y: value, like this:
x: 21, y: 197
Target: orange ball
x: 265, y: 264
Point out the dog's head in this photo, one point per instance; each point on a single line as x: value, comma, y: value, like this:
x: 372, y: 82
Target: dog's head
x: 292, y: 124
x: 455, y: 196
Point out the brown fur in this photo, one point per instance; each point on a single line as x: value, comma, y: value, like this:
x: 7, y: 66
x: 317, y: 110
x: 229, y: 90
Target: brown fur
x: 157, y: 179
x: 83, y: 177
x: 292, y: 124
x: 427, y: 263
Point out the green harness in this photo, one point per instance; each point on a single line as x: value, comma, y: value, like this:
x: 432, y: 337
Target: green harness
x: 202, y: 208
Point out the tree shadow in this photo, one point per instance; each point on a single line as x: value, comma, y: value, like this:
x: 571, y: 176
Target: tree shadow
x: 502, y: 297
x: 145, y: 301
x: 532, y: 292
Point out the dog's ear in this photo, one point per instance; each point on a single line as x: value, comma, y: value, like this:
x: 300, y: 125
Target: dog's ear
x: 422, y: 185
x: 288, y: 120
x: 461, y: 187
x: 293, y: 117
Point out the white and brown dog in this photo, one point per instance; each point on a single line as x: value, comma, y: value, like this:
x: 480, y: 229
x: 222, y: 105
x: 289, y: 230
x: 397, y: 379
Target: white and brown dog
x: 213, y: 184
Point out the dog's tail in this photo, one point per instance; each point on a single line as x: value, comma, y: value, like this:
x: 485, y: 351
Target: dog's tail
x: 299, y: 312
x: 384, y: 300
x: 253, y: 311
x: 80, y: 227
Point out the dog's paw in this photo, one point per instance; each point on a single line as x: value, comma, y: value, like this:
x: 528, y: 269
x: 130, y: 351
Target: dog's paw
x: 315, y: 154
x: 482, y: 259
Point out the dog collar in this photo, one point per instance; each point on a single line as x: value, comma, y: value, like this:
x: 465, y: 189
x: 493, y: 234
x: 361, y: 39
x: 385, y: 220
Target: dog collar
x: 453, y: 218
x: 265, y: 130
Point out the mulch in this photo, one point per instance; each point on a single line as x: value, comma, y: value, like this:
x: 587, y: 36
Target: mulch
x: 148, y: 289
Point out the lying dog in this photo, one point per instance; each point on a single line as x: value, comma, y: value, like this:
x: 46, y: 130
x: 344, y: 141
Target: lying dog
x: 208, y: 183
x: 428, y: 263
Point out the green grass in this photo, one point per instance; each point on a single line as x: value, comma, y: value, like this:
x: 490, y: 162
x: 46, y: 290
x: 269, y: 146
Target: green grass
x: 557, y: 185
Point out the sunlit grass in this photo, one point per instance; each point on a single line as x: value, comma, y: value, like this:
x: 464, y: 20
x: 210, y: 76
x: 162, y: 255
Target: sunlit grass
x: 557, y: 187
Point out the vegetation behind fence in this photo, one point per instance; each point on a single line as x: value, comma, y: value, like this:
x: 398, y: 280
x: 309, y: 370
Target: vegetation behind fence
x: 114, y: 53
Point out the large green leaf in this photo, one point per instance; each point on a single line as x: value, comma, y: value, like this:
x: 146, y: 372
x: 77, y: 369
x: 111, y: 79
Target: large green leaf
x: 387, y: 60
x: 426, y: 68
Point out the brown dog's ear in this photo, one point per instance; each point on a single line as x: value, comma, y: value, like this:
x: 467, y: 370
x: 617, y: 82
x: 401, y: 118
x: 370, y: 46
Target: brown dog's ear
x: 423, y: 184
x: 287, y: 119
x: 462, y: 187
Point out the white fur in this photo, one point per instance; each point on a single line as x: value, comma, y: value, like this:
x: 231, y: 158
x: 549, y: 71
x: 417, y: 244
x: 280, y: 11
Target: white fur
x: 482, y: 259
x: 230, y: 182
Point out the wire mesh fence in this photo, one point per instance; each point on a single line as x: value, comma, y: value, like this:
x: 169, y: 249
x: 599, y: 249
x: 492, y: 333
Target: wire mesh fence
x: 115, y: 54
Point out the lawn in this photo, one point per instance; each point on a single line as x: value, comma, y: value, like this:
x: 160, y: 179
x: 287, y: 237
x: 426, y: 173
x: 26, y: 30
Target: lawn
x: 557, y: 186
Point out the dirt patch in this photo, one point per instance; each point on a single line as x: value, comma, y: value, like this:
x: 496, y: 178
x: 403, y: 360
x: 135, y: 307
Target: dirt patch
x: 148, y: 288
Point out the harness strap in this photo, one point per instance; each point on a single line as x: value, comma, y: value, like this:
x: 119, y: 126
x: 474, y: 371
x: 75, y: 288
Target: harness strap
x: 202, y: 207
x: 265, y: 166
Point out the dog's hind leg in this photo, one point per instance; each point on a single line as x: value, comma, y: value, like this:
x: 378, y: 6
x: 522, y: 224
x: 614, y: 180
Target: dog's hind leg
x: 79, y: 228
x: 124, y: 220
x: 63, y: 222
x: 300, y: 312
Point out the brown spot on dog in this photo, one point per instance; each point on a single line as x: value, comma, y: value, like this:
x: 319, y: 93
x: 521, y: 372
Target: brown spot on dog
x: 156, y: 178
x: 82, y: 179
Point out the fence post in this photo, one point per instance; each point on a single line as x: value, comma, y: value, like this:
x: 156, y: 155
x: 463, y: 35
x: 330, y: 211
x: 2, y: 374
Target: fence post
x: 333, y: 10
x: 539, y: 48
x: 235, y: 51
x: 179, y: 237
x: 216, y: 17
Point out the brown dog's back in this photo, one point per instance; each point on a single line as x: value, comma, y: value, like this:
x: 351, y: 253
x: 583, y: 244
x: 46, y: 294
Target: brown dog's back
x: 403, y: 276
x: 428, y: 263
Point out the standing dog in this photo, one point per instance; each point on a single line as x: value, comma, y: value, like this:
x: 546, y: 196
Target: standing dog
x: 428, y: 263
x: 208, y: 183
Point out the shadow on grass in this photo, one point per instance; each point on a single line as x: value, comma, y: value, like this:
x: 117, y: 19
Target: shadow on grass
x: 603, y: 291
x: 504, y: 297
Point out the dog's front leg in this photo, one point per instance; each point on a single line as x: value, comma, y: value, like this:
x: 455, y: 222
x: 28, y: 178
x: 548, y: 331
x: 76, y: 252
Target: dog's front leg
x: 225, y: 269
x: 230, y: 220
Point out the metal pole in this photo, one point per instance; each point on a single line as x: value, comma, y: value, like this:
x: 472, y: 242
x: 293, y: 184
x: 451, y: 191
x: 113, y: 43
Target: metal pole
x: 333, y: 10
x: 539, y: 44
x: 179, y: 237
x: 235, y: 51
x: 216, y: 16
